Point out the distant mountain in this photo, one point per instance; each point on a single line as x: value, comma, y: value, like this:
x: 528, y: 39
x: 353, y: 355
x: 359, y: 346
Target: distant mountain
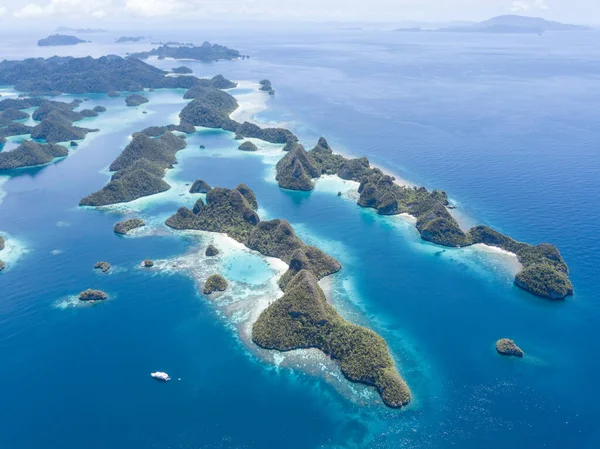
x: 506, y: 24
x: 79, y: 30
x: 123, y: 39
x: 59, y: 39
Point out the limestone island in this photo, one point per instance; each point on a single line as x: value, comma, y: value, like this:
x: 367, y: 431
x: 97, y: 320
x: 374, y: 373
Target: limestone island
x: 248, y: 146
x: 265, y: 86
x: 30, y: 154
x: 60, y: 39
x: 2, y: 243
x: 200, y: 186
x: 135, y: 100
x: 92, y: 295
x: 215, y: 283
x: 301, y: 318
x: 505, y: 346
x: 206, y: 52
x: 102, y: 266
x: 147, y: 263
x: 211, y: 251
x: 544, y: 273
x: 123, y: 227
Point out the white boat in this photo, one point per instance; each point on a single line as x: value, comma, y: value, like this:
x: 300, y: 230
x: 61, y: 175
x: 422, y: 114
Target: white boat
x: 159, y: 375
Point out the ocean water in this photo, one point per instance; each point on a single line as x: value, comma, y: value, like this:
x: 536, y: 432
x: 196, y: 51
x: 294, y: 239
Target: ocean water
x: 506, y: 124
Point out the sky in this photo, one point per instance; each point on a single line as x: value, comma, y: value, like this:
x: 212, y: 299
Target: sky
x: 104, y: 11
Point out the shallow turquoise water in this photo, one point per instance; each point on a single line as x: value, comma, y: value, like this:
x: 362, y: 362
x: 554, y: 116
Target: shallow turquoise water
x: 507, y: 128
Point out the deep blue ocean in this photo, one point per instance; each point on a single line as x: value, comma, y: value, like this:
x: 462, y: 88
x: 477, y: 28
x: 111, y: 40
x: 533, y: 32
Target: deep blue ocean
x: 507, y: 125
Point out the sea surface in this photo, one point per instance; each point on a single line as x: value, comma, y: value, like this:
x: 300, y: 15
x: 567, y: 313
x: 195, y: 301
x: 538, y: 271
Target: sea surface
x: 507, y: 125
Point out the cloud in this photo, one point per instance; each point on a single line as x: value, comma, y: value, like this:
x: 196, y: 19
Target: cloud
x: 521, y: 5
x: 3, y: 11
x: 68, y: 8
x: 153, y: 8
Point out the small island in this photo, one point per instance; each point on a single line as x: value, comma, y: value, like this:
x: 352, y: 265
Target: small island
x: 147, y: 263
x: 59, y: 40
x: 211, y: 251
x: 92, y: 295
x: 135, y: 100
x: 215, y: 283
x: 102, y: 266
x: 2, y: 243
x: 248, y: 146
x: 182, y: 70
x: 200, y: 186
x: 265, y: 86
x: 506, y: 346
x: 123, y: 227
x: 31, y: 154
x: 124, y: 39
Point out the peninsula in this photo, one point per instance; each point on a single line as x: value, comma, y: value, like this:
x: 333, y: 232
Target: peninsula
x: 302, y: 317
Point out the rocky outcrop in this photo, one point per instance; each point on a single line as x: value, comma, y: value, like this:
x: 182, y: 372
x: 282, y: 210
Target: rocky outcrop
x: 135, y: 100
x: 265, y: 86
x: 211, y: 251
x: 508, y: 347
x: 215, y: 283
x: 92, y: 295
x: 248, y: 146
x: 102, y: 266
x: 2, y: 265
x: 302, y: 318
x: 200, y: 186
x: 2, y: 243
x: 123, y: 227
x: 148, y: 263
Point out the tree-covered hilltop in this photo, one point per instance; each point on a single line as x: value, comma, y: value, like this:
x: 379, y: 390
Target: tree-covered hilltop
x: 265, y: 86
x: 302, y: 318
x: 139, y: 170
x: 206, y: 52
x: 30, y: 154
x: 87, y: 75
x: 60, y: 39
x: 182, y: 70
x: 135, y: 100
x: 124, y: 39
x: 544, y: 271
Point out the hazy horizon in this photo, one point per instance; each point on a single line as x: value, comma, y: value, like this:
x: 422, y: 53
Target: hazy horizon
x: 140, y: 13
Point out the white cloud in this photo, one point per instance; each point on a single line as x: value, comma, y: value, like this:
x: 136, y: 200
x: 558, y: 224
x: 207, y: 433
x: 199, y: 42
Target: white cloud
x: 67, y: 8
x: 521, y: 5
x: 153, y: 8
x: 3, y: 11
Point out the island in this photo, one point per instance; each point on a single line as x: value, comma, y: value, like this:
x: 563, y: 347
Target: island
x: 123, y: 227
x: 124, y: 39
x: 506, y: 346
x: 211, y: 251
x: 265, y: 86
x: 206, y: 52
x: 30, y: 154
x: 200, y: 186
x: 248, y: 146
x: 182, y: 70
x: 60, y: 39
x: 102, y: 266
x: 2, y: 243
x: 215, y: 283
x: 139, y: 170
x: 147, y: 263
x: 301, y: 318
x: 135, y: 100
x: 92, y: 295
x: 544, y: 272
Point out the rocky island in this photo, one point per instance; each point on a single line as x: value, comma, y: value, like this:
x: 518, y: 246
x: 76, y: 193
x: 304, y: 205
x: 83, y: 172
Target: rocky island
x: 506, y: 346
x: 123, y: 227
x: 248, y: 146
x: 102, y: 266
x: 211, y: 251
x: 92, y: 295
x: 215, y: 283
x: 206, y: 52
x: 60, y: 39
x: 30, y: 154
x: 265, y: 86
x: 124, y: 39
x: 2, y: 264
x: 182, y: 70
x: 301, y: 318
x: 544, y: 272
x: 200, y: 186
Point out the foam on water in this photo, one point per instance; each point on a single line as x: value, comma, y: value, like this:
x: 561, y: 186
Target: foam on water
x: 14, y: 250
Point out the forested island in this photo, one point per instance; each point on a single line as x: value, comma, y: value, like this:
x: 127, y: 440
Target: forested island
x: 302, y: 317
x: 60, y: 39
x: 544, y: 272
x: 124, y: 39
x: 206, y: 52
